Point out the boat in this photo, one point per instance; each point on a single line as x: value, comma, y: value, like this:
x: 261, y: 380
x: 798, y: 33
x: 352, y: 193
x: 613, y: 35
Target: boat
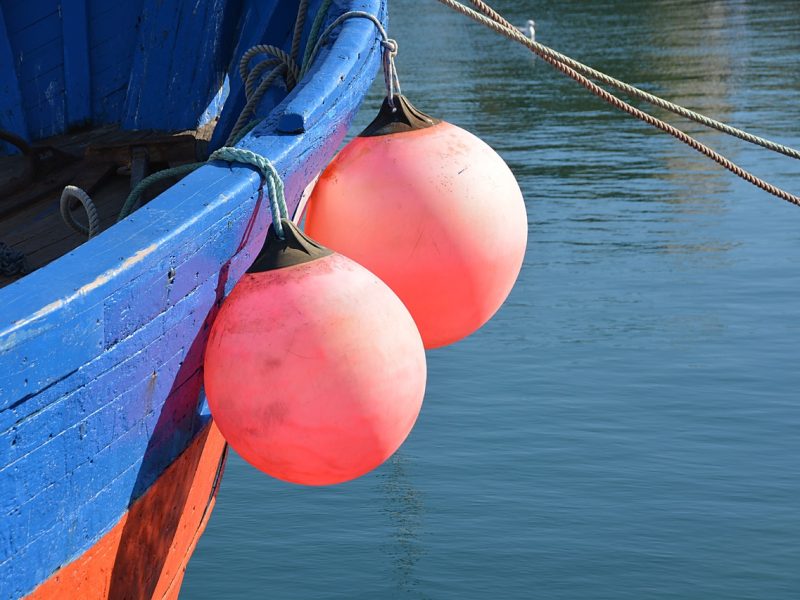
x: 110, y: 459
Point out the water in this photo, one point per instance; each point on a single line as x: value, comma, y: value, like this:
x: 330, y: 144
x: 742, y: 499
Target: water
x: 628, y: 426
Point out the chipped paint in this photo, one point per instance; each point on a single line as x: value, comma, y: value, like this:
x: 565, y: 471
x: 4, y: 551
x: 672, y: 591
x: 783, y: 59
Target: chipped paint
x: 82, y: 291
x: 88, y: 430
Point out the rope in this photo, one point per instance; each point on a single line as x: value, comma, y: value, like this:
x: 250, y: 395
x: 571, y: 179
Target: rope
x: 71, y: 193
x: 256, y: 84
x: 299, y: 23
x: 134, y: 198
x: 389, y: 45
x: 15, y: 140
x: 313, y: 35
x: 284, y: 65
x: 12, y: 261
x: 281, y: 63
x: 493, y: 20
x: 277, y: 198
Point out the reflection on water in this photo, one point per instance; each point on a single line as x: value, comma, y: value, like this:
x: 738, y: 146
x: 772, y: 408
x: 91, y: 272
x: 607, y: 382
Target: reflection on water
x: 626, y: 427
x: 403, y: 506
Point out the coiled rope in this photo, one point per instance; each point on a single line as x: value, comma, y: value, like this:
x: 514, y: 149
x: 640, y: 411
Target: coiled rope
x: 255, y: 85
x: 573, y: 69
x: 282, y: 64
x: 12, y: 261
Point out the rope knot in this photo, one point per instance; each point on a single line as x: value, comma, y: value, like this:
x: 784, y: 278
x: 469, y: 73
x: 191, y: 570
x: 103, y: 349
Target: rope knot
x: 269, y: 174
x: 390, y: 45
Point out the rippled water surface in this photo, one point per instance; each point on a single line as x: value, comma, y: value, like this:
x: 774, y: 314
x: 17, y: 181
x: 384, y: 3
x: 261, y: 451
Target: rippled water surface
x: 628, y: 425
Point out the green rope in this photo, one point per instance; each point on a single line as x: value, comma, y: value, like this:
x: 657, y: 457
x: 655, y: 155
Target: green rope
x: 284, y: 64
x: 313, y: 35
x: 228, y: 154
x: 277, y: 197
x: 135, y: 197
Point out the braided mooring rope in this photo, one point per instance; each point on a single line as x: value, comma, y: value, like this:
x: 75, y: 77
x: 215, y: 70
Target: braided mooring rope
x: 492, y: 19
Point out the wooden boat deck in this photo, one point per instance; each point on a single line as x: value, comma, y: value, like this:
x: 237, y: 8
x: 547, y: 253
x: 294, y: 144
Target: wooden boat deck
x: 97, y: 161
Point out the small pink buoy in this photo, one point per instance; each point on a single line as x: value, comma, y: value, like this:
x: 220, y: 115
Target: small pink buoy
x: 314, y: 369
x: 433, y: 211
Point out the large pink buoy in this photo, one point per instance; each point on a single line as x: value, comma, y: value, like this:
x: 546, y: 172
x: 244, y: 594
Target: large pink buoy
x: 433, y: 211
x: 314, y: 369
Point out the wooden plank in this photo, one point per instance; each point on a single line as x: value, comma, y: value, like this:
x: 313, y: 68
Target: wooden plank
x: 33, y: 224
x: 177, y: 506
x: 160, y: 148
x: 113, y: 31
x: 260, y: 21
x: 12, y: 117
x: 156, y: 432
x: 35, y: 35
x: 39, y: 190
x: 176, y: 70
x: 76, y: 62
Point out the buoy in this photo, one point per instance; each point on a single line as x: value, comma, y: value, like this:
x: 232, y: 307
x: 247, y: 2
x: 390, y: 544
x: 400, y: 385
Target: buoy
x: 433, y: 211
x: 314, y: 369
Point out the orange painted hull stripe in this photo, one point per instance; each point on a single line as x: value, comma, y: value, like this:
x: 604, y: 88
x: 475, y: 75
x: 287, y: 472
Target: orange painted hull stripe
x: 145, y: 554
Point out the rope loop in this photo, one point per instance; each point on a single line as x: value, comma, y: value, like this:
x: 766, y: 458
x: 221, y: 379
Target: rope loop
x: 269, y: 174
x: 389, y: 49
x: 68, y: 197
x: 390, y: 78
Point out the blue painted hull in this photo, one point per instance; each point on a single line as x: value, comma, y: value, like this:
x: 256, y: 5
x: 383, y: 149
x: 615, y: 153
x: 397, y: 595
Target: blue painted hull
x: 101, y: 351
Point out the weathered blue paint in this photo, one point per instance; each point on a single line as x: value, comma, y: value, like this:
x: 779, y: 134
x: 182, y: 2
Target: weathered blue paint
x: 259, y: 22
x: 101, y: 352
x: 35, y: 34
x: 214, y: 108
x: 12, y: 117
x: 76, y: 61
x: 177, y: 54
x: 309, y: 105
x: 113, y: 31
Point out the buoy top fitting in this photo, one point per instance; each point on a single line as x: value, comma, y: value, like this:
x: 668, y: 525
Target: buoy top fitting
x: 296, y: 248
x: 403, y: 117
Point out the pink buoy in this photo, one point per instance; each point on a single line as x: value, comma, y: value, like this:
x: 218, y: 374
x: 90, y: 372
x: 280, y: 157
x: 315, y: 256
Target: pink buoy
x: 314, y: 369
x: 433, y: 211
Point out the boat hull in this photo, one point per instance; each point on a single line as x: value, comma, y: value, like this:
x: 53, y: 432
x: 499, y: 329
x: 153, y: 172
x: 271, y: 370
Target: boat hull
x: 101, y: 351
x: 146, y: 553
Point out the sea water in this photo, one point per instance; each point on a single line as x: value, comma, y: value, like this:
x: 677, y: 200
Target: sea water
x: 628, y: 425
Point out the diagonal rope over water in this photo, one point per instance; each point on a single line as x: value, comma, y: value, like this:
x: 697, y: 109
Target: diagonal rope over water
x: 572, y: 68
x: 544, y: 51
